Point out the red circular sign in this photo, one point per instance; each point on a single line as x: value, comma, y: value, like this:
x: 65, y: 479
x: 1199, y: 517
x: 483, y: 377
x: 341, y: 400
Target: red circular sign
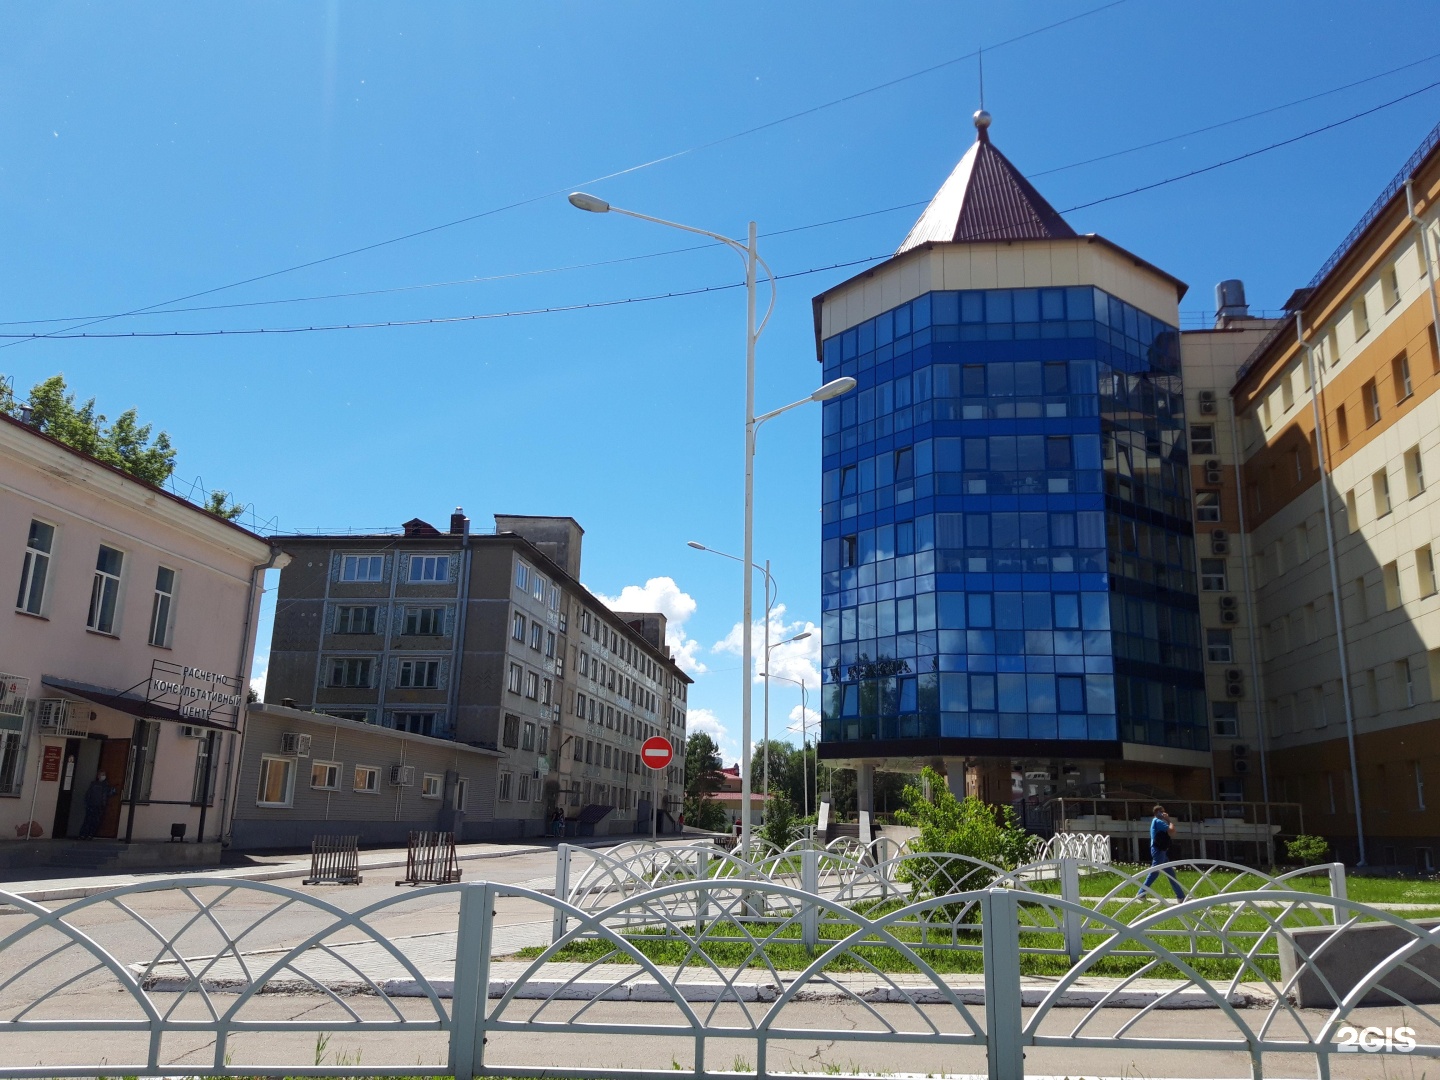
x: 656, y: 752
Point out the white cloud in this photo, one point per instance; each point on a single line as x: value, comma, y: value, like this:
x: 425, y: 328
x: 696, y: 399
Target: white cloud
x: 663, y: 595
x: 704, y: 720
x: 259, y: 673
x: 812, y: 722
x: 797, y: 661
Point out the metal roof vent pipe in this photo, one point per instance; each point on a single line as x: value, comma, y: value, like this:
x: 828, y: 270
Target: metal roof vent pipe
x: 459, y: 523
x: 1230, y: 301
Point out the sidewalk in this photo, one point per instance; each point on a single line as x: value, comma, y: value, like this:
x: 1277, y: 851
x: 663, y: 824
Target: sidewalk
x: 280, y: 867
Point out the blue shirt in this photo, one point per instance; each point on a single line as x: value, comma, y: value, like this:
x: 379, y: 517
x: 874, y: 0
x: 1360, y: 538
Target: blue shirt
x: 1157, y: 826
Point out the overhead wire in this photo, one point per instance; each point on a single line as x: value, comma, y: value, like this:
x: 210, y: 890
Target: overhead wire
x: 595, y: 305
x: 519, y: 274
x: 151, y: 308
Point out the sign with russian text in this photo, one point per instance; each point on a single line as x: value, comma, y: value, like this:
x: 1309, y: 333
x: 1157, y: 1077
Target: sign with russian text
x: 196, y: 694
x: 50, y: 763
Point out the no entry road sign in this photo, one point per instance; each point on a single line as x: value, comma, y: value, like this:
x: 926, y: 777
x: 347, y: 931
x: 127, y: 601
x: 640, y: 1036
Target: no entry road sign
x: 656, y: 752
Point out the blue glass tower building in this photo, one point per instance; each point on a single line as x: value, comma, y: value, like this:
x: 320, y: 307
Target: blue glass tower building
x: 1008, y: 571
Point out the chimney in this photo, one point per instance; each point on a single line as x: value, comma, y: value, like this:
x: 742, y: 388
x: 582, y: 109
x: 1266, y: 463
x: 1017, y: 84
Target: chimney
x: 1230, y: 301
x: 459, y: 523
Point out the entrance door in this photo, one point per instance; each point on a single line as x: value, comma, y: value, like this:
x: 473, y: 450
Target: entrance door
x: 114, y: 762
x: 69, y: 767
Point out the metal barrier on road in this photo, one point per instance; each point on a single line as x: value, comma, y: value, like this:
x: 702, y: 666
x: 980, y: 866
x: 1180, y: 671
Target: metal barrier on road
x: 334, y: 860
x: 253, y: 978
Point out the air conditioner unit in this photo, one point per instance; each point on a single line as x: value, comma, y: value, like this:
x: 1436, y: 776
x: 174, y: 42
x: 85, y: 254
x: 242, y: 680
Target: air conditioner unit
x: 1219, y: 547
x: 295, y: 743
x: 1214, y: 476
x: 1241, y: 766
x: 1219, y: 534
x: 1230, y: 617
x: 1229, y: 603
x: 1239, y: 750
x: 1234, y: 689
x: 1207, y: 402
x: 191, y: 731
x: 12, y: 694
x: 402, y: 775
x: 1212, y: 465
x: 52, y: 712
x: 1234, y: 674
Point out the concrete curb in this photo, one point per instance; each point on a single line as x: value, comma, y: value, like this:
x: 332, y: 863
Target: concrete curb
x: 278, y: 872
x: 759, y: 991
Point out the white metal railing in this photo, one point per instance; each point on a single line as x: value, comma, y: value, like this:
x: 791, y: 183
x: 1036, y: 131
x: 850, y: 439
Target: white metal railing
x: 223, y: 977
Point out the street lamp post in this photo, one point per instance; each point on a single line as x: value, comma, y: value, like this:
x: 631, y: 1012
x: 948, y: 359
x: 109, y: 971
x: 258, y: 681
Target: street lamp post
x: 836, y: 387
x: 804, y: 743
x: 772, y: 592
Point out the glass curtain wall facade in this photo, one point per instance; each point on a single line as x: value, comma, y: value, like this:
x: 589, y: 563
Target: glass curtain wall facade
x: 1008, y: 561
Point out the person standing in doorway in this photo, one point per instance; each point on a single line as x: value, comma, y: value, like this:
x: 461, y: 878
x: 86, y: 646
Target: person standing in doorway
x: 1161, y: 836
x: 97, y: 797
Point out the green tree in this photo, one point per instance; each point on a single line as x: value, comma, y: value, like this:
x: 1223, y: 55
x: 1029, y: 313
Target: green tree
x: 958, y: 827
x: 126, y: 444
x: 702, y: 781
x: 220, y: 505
x: 781, y: 825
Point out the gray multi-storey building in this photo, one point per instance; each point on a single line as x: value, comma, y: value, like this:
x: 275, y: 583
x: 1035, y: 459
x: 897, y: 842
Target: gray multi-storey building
x: 489, y: 640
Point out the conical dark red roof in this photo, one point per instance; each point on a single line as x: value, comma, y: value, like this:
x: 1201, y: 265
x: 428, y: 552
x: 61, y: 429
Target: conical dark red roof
x: 986, y: 199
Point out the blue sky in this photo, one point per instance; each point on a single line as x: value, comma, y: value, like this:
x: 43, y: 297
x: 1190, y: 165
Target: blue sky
x: 150, y: 151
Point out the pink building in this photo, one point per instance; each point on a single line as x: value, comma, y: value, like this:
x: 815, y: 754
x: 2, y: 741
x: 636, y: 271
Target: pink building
x: 127, y: 654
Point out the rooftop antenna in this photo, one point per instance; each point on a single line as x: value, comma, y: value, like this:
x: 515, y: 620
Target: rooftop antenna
x: 981, y: 54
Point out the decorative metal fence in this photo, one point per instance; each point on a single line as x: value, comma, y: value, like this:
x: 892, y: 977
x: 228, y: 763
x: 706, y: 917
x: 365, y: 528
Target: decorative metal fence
x: 220, y: 977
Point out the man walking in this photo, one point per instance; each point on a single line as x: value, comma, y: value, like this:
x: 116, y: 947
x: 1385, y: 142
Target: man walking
x: 97, y: 797
x: 1161, y: 829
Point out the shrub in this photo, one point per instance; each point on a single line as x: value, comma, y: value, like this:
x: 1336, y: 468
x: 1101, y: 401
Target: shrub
x: 1307, y: 850
x: 781, y: 826
x: 959, y: 827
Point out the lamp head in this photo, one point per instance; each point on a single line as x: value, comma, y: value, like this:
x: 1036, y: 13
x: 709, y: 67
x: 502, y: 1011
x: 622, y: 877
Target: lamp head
x: 801, y: 636
x: 582, y: 201
x: 833, y: 389
x: 694, y: 544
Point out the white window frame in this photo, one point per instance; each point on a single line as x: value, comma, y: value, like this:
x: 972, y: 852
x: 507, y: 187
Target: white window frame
x: 368, y: 682
x: 268, y: 761
x: 462, y: 790
x: 345, y: 618
x: 334, y: 770
x: 505, y: 790
x: 350, y: 566
x: 522, y: 577
x: 522, y: 793
x: 162, y: 608
x: 1207, y: 505
x: 1219, y: 653
x: 517, y: 627
x: 432, y: 785
x: 532, y: 685
x: 1208, y: 579
x: 105, y: 585
x: 513, y: 678
x: 427, y: 570
x: 414, y: 674
x: 373, y: 772
x: 416, y: 618
x: 30, y: 598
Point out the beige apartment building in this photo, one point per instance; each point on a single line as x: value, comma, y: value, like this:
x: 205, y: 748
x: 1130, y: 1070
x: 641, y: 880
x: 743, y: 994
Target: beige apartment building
x: 487, y: 640
x: 1340, y: 524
